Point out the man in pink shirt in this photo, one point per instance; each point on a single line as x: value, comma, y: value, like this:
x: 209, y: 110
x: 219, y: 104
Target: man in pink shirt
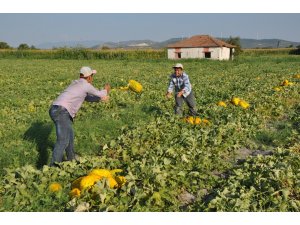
x: 65, y: 107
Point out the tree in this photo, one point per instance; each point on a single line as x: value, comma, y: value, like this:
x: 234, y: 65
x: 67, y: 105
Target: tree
x: 23, y: 47
x: 295, y: 51
x: 4, y: 45
x: 237, y: 42
x: 104, y: 47
x: 33, y: 47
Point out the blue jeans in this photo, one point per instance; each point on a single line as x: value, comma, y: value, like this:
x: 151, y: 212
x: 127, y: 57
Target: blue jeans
x: 64, y: 134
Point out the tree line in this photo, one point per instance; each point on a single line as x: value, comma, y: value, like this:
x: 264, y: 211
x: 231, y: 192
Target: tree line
x: 23, y: 46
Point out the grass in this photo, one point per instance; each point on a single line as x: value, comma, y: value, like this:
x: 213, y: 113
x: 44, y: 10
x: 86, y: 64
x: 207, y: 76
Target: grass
x: 27, y: 135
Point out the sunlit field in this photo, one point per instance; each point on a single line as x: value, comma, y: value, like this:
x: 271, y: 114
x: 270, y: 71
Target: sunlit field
x: 240, y: 159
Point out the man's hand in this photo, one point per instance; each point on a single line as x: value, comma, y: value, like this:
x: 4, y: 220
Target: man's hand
x: 180, y: 93
x: 107, y: 88
x: 105, y: 98
x: 169, y: 95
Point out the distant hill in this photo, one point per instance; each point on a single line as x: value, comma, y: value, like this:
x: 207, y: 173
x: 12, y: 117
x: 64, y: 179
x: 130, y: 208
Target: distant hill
x: 144, y: 44
x: 267, y: 43
x: 164, y: 44
x: 138, y: 44
x: 126, y: 44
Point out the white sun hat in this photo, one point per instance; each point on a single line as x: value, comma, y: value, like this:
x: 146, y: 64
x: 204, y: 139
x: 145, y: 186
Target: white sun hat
x: 178, y: 65
x: 87, y: 71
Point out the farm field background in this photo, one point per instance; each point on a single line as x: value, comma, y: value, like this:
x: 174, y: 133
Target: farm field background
x: 242, y: 160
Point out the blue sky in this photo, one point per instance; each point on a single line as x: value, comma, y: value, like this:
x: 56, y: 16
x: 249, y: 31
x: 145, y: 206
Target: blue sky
x: 38, y: 28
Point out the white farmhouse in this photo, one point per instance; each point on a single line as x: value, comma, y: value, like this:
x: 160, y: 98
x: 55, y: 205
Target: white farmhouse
x: 201, y: 46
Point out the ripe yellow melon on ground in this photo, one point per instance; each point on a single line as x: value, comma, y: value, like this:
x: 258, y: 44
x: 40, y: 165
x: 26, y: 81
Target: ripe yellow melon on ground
x: 88, y: 181
x: 244, y: 104
x: 235, y: 100
x: 221, y: 103
x: 197, y: 120
x: 285, y: 83
x: 101, y: 172
x: 277, y: 89
x: 190, y: 119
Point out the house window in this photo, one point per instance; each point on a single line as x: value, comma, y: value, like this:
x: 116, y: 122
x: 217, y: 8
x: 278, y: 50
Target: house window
x: 207, y: 55
x: 177, y: 53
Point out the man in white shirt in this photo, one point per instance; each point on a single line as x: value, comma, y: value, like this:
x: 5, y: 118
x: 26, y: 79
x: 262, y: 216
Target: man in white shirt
x: 65, y: 107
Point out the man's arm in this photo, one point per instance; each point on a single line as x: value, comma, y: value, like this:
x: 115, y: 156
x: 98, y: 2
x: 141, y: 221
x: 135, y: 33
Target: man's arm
x: 170, y: 88
x: 102, y: 95
x: 187, y: 86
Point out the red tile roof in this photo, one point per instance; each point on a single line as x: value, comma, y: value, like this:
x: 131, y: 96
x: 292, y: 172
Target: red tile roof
x: 200, y: 41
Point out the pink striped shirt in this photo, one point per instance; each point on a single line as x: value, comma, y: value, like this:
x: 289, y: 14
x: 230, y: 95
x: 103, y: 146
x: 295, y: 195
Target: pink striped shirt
x: 74, y: 95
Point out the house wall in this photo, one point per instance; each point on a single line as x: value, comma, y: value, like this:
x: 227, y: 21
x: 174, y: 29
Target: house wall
x: 224, y: 53
x: 216, y: 53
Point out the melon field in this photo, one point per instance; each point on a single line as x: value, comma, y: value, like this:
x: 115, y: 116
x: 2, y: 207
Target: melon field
x: 134, y: 154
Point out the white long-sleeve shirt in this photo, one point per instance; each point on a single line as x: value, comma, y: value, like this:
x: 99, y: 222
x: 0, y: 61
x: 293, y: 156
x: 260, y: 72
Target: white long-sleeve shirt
x: 74, y: 95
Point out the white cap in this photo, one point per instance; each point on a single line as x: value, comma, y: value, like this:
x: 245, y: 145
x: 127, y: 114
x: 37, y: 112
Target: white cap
x: 87, y: 71
x: 178, y: 65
